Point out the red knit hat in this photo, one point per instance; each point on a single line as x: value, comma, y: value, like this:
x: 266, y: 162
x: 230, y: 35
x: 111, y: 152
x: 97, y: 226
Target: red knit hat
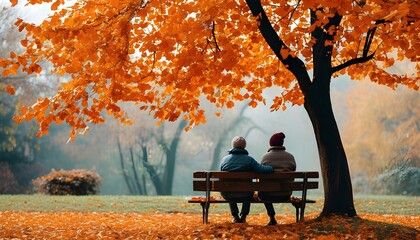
x: 277, y: 139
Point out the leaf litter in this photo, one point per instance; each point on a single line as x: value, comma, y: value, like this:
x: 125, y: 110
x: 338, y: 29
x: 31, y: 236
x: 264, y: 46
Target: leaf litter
x: 159, y: 225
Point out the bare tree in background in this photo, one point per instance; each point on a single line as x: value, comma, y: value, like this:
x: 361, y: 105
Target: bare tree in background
x: 239, y: 123
x: 152, y: 158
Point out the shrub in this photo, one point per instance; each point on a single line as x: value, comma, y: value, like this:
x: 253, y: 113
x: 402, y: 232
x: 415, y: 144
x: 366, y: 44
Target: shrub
x: 73, y: 182
x: 400, y: 180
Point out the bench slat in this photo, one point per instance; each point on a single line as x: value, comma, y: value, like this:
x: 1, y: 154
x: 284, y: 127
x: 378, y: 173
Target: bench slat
x: 253, y: 201
x: 254, y: 175
x: 226, y: 186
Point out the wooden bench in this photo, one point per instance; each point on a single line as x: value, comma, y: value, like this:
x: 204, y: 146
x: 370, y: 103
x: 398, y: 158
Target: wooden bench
x: 221, y: 181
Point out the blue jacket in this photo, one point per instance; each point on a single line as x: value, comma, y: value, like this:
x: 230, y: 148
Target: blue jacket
x: 239, y: 161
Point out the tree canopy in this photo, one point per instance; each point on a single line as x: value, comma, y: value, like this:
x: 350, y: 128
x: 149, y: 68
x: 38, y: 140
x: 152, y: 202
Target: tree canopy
x: 169, y: 56
x: 165, y: 55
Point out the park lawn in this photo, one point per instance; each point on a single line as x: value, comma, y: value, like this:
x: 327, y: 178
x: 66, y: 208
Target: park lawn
x: 138, y: 217
x: 380, y: 204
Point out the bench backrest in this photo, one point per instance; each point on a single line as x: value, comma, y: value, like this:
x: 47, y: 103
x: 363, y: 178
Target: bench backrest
x: 221, y: 181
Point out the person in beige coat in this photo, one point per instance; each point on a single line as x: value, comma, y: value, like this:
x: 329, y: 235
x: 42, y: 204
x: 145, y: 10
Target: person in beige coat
x: 281, y: 161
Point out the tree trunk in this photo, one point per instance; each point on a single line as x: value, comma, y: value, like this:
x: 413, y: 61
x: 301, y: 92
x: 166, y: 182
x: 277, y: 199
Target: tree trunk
x: 168, y: 175
x: 136, y: 177
x: 125, y: 171
x: 338, y: 194
x: 215, y: 163
x: 157, y: 183
x: 338, y: 191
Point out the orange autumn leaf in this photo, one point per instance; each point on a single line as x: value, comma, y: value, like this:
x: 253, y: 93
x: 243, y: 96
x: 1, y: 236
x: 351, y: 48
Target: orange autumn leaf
x: 165, y: 55
x: 284, y: 52
x: 13, y: 69
x: 12, y: 54
x: 179, y: 225
x: 56, y: 4
x: 230, y: 104
x: 10, y: 89
x: 14, y: 2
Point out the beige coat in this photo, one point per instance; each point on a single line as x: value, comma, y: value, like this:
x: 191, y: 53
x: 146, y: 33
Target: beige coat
x: 281, y: 161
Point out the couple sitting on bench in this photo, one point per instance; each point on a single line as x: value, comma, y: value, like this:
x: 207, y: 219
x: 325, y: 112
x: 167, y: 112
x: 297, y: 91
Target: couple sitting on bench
x: 238, y: 160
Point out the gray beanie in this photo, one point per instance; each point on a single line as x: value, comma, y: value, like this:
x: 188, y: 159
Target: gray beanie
x: 238, y: 142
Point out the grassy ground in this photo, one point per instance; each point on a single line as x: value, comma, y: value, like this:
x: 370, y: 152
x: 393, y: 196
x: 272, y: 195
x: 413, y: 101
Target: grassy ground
x: 171, y: 217
x: 398, y: 205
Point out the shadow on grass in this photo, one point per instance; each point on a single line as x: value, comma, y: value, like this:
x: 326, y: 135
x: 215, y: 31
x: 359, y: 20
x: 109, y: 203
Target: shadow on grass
x: 360, y: 228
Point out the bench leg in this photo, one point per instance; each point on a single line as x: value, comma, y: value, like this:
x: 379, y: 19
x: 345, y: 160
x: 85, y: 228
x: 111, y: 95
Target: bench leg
x: 297, y: 213
x: 205, y: 207
x: 207, y: 213
x: 302, y: 213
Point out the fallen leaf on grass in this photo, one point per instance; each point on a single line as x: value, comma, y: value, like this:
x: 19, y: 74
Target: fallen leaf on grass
x: 78, y: 225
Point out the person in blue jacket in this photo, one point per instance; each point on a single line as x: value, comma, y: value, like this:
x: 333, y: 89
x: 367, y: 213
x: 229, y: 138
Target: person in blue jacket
x: 236, y: 161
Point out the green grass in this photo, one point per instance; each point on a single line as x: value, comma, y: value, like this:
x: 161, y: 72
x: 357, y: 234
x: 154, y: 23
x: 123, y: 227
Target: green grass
x: 399, y: 205
x: 99, y: 203
x: 382, y: 204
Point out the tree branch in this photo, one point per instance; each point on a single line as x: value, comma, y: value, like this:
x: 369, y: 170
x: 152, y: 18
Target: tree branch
x: 124, y: 170
x: 351, y: 62
x: 321, y: 51
x: 293, y: 64
x: 366, y: 47
x: 213, y: 33
x: 136, y: 177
